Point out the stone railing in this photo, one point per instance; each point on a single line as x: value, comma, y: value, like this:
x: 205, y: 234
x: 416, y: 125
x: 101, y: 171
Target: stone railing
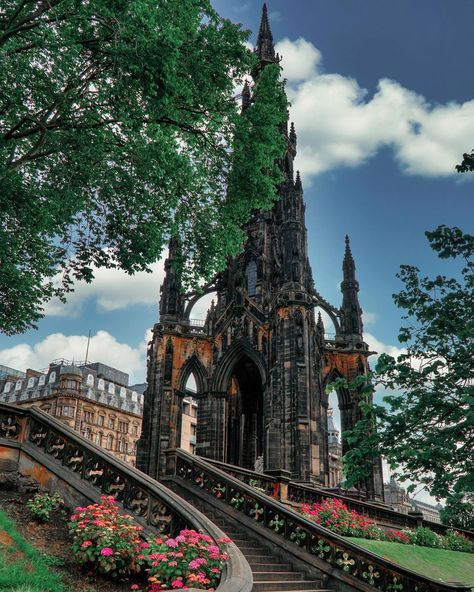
x: 362, y: 568
x: 300, y: 493
x: 265, y: 483
x: 48, y: 448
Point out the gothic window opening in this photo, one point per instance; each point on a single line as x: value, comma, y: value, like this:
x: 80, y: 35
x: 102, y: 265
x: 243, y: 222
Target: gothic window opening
x: 251, y: 275
x: 245, y: 432
x: 189, y: 415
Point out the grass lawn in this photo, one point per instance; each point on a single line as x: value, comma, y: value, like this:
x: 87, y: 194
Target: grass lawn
x: 438, y: 564
x: 22, y: 567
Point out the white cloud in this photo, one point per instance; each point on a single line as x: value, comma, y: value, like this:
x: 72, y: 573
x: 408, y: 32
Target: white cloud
x: 103, y: 347
x: 299, y: 59
x: 379, y: 347
x: 341, y: 124
x: 113, y: 289
x: 369, y: 318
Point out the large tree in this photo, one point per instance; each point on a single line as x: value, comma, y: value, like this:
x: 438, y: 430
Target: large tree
x: 425, y: 428
x: 119, y: 129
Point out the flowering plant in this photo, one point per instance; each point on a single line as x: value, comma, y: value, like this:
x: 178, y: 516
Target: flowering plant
x: 43, y: 504
x: 456, y: 541
x: 190, y: 560
x: 399, y: 536
x: 333, y: 514
x: 106, y: 540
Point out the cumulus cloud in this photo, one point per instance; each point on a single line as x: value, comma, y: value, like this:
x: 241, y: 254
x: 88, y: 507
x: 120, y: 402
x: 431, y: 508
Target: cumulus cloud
x: 379, y: 347
x: 112, y: 289
x: 103, y: 347
x: 369, y: 318
x: 341, y: 124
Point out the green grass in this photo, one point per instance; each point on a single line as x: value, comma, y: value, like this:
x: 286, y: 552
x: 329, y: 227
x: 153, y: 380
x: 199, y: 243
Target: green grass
x: 438, y: 564
x: 28, y: 574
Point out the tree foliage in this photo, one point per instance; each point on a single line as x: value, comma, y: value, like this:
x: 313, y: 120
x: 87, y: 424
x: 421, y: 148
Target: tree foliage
x: 459, y: 511
x: 467, y: 164
x: 425, y: 429
x: 117, y: 127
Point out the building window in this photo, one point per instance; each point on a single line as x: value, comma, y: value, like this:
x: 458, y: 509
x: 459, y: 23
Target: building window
x: 193, y: 429
x: 251, y: 275
x: 7, y: 387
x: 70, y: 384
x: 100, y: 420
x: 123, y: 392
x: 31, y: 382
x: 111, y: 424
x: 42, y: 380
x: 111, y: 389
x: 18, y: 385
x: 67, y: 411
x: 90, y: 380
x: 192, y: 448
x: 101, y: 384
x: 98, y: 438
x: 121, y: 445
x: 123, y: 427
x: 52, y: 377
x: 89, y: 416
x: 110, y: 442
x: 134, y: 430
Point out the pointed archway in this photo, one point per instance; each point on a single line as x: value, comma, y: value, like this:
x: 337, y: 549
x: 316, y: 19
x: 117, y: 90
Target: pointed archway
x: 244, y: 415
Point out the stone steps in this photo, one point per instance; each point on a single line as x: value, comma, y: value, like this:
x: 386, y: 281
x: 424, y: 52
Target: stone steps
x: 269, y: 573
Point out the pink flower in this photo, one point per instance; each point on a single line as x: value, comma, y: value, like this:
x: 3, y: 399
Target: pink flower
x: 194, y: 564
x: 86, y: 544
x: 180, y: 538
x: 173, y: 563
x: 134, y: 587
x: 171, y: 543
x: 177, y: 584
x: 213, y: 549
x: 107, y: 552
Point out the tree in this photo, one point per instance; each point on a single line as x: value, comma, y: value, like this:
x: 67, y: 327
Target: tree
x: 117, y: 127
x: 425, y: 429
x: 459, y: 511
x: 467, y: 164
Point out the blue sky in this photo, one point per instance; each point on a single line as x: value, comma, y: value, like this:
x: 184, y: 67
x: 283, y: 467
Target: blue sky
x: 382, y: 98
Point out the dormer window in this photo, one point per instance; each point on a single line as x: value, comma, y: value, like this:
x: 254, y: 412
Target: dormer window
x: 31, y: 382
x: 52, y: 377
x: 42, y: 380
x: 111, y: 389
x: 90, y: 380
x: 18, y: 385
x: 7, y: 387
x: 101, y: 384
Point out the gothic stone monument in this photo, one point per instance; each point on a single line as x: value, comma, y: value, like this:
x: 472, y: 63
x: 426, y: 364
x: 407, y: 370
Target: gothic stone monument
x: 260, y: 360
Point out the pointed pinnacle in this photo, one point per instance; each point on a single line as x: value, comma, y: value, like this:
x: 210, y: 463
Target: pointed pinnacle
x: 298, y: 184
x: 265, y: 47
x: 292, y: 134
x: 246, y: 95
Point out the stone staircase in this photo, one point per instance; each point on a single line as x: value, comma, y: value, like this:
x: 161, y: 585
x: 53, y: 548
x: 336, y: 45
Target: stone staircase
x: 270, y: 574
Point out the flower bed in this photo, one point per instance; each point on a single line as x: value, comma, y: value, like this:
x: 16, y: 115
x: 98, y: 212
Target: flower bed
x: 334, y: 515
x: 107, y: 542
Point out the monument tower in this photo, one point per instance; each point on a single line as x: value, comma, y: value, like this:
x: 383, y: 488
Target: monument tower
x: 260, y: 360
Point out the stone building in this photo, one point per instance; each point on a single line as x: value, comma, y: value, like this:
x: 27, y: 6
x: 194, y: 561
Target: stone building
x: 335, y: 453
x: 260, y: 361
x: 400, y: 500
x: 189, y: 425
x: 94, y: 399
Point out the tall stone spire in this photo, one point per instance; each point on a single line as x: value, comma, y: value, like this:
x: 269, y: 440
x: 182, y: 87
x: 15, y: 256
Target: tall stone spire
x: 171, y: 300
x: 351, y: 310
x: 265, y: 47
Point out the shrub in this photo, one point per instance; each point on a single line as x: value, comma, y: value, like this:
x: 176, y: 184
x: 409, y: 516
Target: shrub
x: 398, y: 536
x: 105, y: 540
x: 190, y: 560
x: 42, y: 505
x: 456, y: 541
x: 334, y: 515
x: 425, y: 537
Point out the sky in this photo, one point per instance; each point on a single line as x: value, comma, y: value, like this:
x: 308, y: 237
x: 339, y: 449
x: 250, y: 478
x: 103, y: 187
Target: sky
x: 383, y: 102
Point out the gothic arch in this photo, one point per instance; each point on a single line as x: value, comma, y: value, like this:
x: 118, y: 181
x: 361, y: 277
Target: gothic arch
x: 237, y: 351
x: 193, y: 365
x: 343, y: 395
x: 194, y: 298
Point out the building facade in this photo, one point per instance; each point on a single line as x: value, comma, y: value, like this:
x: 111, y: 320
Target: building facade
x: 93, y: 399
x: 400, y: 500
x: 260, y: 361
